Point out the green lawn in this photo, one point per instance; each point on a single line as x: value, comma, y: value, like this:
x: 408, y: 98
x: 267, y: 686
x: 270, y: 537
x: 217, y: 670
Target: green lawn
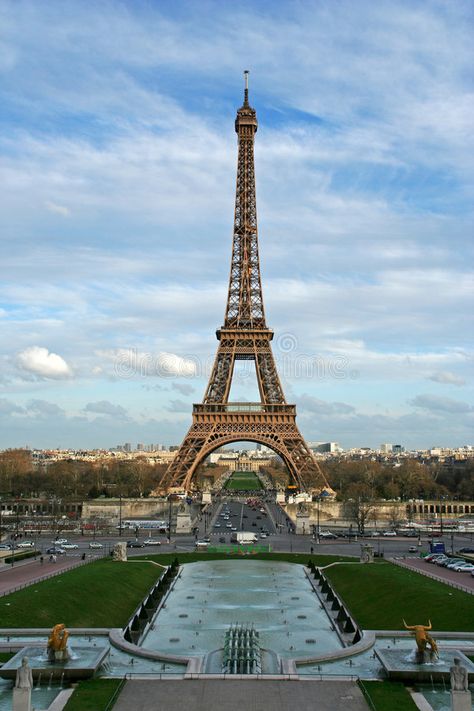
x: 101, y: 594
x: 381, y: 595
x: 5, y: 656
x: 243, y: 481
x: 93, y: 695
x: 387, y: 695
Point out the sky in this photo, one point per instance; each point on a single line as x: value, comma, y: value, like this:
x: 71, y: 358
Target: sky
x: 117, y: 165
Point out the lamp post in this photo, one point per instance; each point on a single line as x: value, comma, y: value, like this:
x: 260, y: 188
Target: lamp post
x: 318, y: 532
x: 169, y: 520
x: 120, y: 512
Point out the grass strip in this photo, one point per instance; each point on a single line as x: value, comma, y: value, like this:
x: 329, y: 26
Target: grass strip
x: 6, y: 656
x: 93, y: 695
x: 243, y: 481
x: 101, y: 594
x: 388, y: 695
x: 195, y: 556
x: 381, y: 596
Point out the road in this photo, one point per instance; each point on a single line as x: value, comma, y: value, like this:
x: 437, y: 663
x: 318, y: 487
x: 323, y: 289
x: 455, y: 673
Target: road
x: 212, y: 525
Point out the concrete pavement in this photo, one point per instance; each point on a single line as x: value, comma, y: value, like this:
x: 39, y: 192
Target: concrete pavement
x: 235, y: 695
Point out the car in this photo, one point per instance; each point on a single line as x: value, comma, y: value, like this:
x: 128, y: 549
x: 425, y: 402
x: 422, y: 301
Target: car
x: 60, y: 541
x: 465, y: 550
x: 228, y: 525
x: 135, y: 544
x: 389, y: 533
x: 70, y: 546
x: 327, y: 534
x: 464, y: 568
x: 206, y: 539
x: 433, y: 557
x: 151, y: 542
x: 413, y: 549
x: 233, y: 528
x: 5, y: 546
x: 25, y: 544
x: 217, y: 525
x: 440, y: 559
x: 263, y: 535
x: 95, y: 544
x: 55, y: 550
x: 453, y: 562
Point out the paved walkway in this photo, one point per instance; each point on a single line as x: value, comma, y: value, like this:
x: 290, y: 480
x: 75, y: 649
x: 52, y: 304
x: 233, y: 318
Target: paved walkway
x: 228, y: 695
x: 30, y: 572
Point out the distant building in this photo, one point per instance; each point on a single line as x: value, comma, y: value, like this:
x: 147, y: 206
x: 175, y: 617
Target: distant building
x: 324, y: 447
x: 386, y: 448
x: 127, y: 447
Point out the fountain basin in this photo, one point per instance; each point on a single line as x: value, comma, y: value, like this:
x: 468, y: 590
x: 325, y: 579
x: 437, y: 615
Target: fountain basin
x: 83, y: 663
x: 399, y: 667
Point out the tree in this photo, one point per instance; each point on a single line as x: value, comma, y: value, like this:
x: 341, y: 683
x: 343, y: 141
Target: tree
x: 359, y: 505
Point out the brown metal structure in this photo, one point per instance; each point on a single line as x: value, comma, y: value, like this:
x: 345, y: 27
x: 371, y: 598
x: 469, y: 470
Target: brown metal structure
x: 244, y: 336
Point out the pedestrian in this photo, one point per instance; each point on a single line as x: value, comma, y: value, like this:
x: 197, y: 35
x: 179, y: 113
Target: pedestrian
x: 83, y: 556
x: 51, y: 558
x: 41, y: 560
x: 312, y: 550
x: 54, y: 559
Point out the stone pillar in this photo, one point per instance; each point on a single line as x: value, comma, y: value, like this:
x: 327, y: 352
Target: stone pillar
x: 460, y: 700
x: 120, y: 552
x: 22, y: 699
x: 302, y: 524
x: 183, y: 522
x: 366, y: 553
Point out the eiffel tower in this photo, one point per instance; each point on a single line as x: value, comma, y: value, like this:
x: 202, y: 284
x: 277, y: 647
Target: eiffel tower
x: 244, y: 336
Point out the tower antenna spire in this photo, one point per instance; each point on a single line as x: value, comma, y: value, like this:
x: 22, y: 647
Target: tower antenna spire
x: 246, y: 93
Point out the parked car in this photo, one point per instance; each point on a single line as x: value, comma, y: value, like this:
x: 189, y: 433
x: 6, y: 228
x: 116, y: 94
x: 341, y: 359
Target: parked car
x: 389, y: 533
x: 440, y: 559
x: 95, y: 544
x: 433, y: 557
x: 151, y: 542
x: 464, y: 568
x: 70, y: 546
x: 135, y: 544
x: 25, y: 544
x: 465, y: 550
x: 453, y: 562
x: 55, y: 550
x: 5, y: 546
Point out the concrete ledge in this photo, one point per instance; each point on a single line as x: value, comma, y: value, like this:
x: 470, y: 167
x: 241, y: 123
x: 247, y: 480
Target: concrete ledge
x: 117, y: 640
x: 61, y: 700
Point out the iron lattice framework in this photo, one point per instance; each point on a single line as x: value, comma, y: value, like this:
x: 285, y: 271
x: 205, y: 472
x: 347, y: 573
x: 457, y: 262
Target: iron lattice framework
x: 244, y: 336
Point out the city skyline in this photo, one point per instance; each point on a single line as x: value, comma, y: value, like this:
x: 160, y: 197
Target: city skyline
x: 116, y: 241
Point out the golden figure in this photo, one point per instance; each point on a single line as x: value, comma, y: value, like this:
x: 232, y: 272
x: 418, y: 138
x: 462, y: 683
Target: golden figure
x: 423, y: 639
x: 57, y: 643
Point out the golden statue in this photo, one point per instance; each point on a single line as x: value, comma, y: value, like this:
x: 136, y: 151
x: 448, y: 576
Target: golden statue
x: 57, y: 643
x: 423, y: 640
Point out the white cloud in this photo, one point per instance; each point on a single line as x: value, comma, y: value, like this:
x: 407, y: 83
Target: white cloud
x: 57, y: 209
x: 130, y: 363
x: 436, y: 403
x: 41, y: 362
x: 447, y: 378
x: 104, y: 407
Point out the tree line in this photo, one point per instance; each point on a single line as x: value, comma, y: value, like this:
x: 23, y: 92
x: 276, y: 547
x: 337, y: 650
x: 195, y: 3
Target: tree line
x: 361, y: 480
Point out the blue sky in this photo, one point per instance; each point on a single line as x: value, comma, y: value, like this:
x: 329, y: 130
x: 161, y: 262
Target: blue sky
x: 117, y: 163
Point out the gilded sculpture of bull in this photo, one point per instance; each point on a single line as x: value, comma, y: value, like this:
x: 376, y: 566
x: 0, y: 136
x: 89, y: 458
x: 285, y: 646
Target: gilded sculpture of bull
x: 423, y: 639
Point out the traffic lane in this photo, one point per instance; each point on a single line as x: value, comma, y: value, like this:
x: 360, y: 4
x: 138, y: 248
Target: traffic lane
x: 443, y: 574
